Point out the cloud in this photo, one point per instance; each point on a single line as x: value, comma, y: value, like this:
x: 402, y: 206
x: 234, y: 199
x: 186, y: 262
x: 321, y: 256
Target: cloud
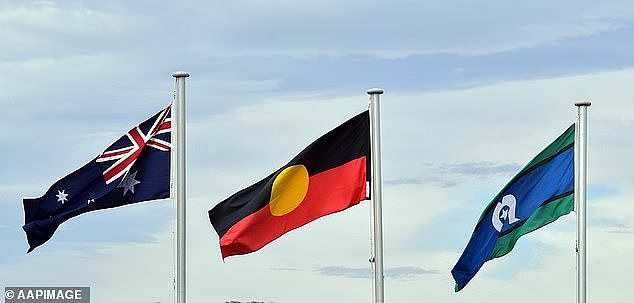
x: 478, y: 169
x: 405, y: 28
x: 13, y: 188
x: 45, y: 29
x: 620, y: 229
x: 452, y: 174
x: 347, y: 272
x: 328, y: 28
x: 284, y: 269
x: 404, y: 272
x: 436, y: 180
x: 403, y: 181
x: 600, y: 191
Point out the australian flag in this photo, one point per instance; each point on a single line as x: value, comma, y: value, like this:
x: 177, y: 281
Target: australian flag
x: 135, y: 168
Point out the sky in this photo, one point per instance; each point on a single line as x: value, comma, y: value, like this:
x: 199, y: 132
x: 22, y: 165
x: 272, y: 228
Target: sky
x: 473, y: 90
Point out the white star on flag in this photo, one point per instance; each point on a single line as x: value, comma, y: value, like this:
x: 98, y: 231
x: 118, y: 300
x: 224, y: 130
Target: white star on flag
x: 128, y: 183
x: 504, y: 214
x: 62, y: 196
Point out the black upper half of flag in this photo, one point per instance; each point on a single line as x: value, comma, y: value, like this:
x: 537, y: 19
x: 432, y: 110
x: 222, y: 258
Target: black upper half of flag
x: 135, y: 168
x: 347, y: 142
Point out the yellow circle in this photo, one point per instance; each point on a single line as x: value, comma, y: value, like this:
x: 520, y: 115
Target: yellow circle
x: 289, y: 189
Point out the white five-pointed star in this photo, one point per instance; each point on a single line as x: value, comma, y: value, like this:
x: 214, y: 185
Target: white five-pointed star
x: 90, y: 201
x: 504, y: 214
x: 128, y: 183
x: 62, y: 196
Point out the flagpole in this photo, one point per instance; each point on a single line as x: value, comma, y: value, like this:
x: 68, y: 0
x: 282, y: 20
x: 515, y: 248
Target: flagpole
x: 376, y: 195
x: 181, y: 264
x: 581, y: 163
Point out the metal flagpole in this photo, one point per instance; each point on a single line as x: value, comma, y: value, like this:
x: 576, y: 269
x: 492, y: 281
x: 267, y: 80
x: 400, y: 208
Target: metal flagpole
x: 181, y: 264
x: 581, y: 164
x: 376, y: 195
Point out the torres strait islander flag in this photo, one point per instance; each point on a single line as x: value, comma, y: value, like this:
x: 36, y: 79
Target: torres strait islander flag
x: 328, y: 176
x: 134, y: 169
x: 539, y: 194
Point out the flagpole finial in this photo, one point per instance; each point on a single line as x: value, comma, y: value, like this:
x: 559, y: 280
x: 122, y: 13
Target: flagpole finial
x: 374, y: 91
x: 583, y: 103
x: 179, y: 74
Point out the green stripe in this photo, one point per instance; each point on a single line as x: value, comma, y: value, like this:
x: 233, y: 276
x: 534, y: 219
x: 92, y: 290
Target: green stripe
x: 544, y: 215
x: 567, y: 138
x: 561, y: 143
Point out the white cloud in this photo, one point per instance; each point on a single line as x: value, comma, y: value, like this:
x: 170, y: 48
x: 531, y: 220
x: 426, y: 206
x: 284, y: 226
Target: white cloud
x: 399, y: 29
x: 44, y: 28
x: 115, y: 273
x: 386, y: 29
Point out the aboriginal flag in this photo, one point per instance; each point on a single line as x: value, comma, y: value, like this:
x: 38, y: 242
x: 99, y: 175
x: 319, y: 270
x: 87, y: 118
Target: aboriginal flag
x: 328, y: 176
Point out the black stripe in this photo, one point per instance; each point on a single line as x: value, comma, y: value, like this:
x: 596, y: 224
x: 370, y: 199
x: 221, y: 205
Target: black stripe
x: 349, y: 141
x: 518, y: 176
x: 510, y: 230
x: 542, y: 162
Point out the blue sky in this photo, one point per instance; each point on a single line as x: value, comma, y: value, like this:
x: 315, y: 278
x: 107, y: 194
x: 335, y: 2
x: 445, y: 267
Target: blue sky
x: 474, y: 89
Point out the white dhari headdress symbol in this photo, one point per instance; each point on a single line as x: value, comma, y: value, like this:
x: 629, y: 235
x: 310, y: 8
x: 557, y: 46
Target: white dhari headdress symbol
x: 500, y: 213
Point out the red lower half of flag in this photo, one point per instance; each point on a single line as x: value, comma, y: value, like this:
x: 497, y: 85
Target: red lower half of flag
x: 328, y: 192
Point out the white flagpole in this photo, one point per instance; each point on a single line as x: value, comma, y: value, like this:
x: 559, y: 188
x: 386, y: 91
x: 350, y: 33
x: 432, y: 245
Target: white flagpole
x: 581, y: 164
x: 179, y: 116
x: 375, y: 151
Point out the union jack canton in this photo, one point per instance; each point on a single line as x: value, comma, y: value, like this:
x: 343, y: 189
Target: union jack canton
x: 136, y: 168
